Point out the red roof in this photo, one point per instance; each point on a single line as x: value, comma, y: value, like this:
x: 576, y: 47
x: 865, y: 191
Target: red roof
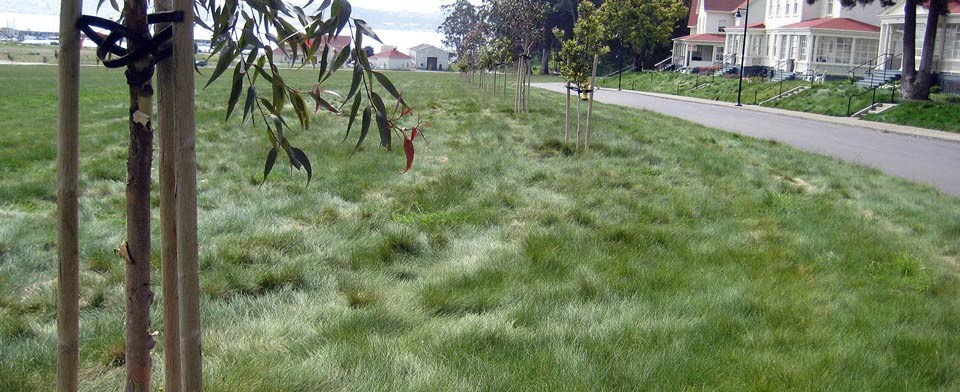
x: 703, y: 37
x: 756, y: 25
x: 835, y: 24
x: 722, y: 5
x: 393, y: 54
x: 692, y: 18
x: 339, y: 42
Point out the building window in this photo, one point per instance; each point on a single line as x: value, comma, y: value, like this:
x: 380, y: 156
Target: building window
x: 829, y: 8
x: 866, y: 50
x: 784, y: 46
x: 953, y: 35
x: 778, y: 7
x: 844, y: 50
x: 756, y: 45
x: 802, y: 44
x: 835, y: 50
x: 770, y: 8
x: 796, y: 7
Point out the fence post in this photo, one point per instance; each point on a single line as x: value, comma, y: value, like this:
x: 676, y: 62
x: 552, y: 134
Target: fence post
x: 849, y: 99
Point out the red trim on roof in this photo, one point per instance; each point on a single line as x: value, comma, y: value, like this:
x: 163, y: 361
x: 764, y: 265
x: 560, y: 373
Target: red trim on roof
x: 338, y: 42
x: 703, y: 37
x: 393, y: 55
x: 835, y: 24
x: 722, y: 5
x: 756, y: 25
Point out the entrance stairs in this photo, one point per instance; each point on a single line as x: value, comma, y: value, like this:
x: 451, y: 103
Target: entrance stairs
x: 788, y: 93
x: 877, y: 77
x: 874, y: 109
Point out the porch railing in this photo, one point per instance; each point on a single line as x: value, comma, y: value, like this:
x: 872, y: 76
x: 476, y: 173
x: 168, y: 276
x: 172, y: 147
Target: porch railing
x: 663, y: 64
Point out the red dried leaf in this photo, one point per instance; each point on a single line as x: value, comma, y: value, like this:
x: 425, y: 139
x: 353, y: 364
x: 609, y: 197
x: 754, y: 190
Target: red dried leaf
x: 408, y: 151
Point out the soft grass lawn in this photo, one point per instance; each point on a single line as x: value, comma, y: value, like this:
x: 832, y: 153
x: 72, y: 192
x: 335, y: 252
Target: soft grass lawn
x: 938, y: 113
x: 40, y: 54
x: 671, y: 257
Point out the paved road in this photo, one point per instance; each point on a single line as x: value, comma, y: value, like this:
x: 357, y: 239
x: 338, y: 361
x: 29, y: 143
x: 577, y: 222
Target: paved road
x: 924, y: 160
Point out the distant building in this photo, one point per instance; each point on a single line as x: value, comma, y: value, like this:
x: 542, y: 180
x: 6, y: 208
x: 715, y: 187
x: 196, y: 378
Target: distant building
x: 430, y: 58
x: 336, y: 45
x: 391, y: 59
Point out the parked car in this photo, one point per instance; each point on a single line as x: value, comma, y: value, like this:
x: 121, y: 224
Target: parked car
x: 200, y: 63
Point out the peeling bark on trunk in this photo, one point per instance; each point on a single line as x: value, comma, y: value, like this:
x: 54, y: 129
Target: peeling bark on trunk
x: 136, y: 249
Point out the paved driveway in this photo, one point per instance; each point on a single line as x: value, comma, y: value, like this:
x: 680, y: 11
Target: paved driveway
x: 923, y: 159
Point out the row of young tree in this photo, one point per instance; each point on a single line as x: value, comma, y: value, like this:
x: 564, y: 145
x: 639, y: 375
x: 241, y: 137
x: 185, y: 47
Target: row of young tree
x: 508, y: 29
x: 504, y: 31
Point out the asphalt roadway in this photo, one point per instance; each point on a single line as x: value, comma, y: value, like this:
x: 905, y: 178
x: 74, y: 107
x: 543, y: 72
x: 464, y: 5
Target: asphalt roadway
x: 927, y: 157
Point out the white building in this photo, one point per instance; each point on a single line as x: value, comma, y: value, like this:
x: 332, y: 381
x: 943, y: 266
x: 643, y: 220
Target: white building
x: 431, y: 58
x: 946, y: 56
x: 390, y: 58
x: 784, y: 35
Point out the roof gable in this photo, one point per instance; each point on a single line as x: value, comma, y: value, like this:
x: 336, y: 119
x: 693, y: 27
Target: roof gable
x: 392, y: 55
x: 722, y: 5
x: 692, y: 18
x: 846, y: 24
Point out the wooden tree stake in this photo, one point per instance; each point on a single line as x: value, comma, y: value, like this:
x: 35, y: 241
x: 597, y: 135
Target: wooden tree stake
x: 167, y: 112
x: 566, y: 138
x: 593, y: 87
x: 68, y: 221
x: 187, y: 241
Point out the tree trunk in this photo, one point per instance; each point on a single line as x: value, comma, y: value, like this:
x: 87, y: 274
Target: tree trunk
x: 68, y: 226
x: 924, y: 78
x: 136, y: 249
x: 167, y: 111
x: 187, y: 240
x: 545, y: 61
x: 909, y: 69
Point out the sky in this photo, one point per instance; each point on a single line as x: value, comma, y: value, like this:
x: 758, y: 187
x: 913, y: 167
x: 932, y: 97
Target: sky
x: 401, y: 23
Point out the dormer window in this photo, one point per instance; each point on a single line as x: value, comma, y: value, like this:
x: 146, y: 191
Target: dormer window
x: 796, y: 7
x: 778, y: 7
x: 829, y: 8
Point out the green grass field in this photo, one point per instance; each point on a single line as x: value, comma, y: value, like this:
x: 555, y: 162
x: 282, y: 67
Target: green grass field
x: 671, y: 257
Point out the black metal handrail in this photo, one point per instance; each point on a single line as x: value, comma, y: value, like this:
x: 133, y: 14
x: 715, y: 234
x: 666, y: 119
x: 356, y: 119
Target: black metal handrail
x: 873, y: 63
x: 756, y: 92
x: 696, y: 84
x: 873, y: 101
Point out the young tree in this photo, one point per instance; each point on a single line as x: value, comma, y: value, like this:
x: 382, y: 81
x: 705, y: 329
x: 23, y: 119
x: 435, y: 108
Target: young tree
x: 642, y: 24
x: 245, y: 33
x: 521, y: 23
x: 579, y: 54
